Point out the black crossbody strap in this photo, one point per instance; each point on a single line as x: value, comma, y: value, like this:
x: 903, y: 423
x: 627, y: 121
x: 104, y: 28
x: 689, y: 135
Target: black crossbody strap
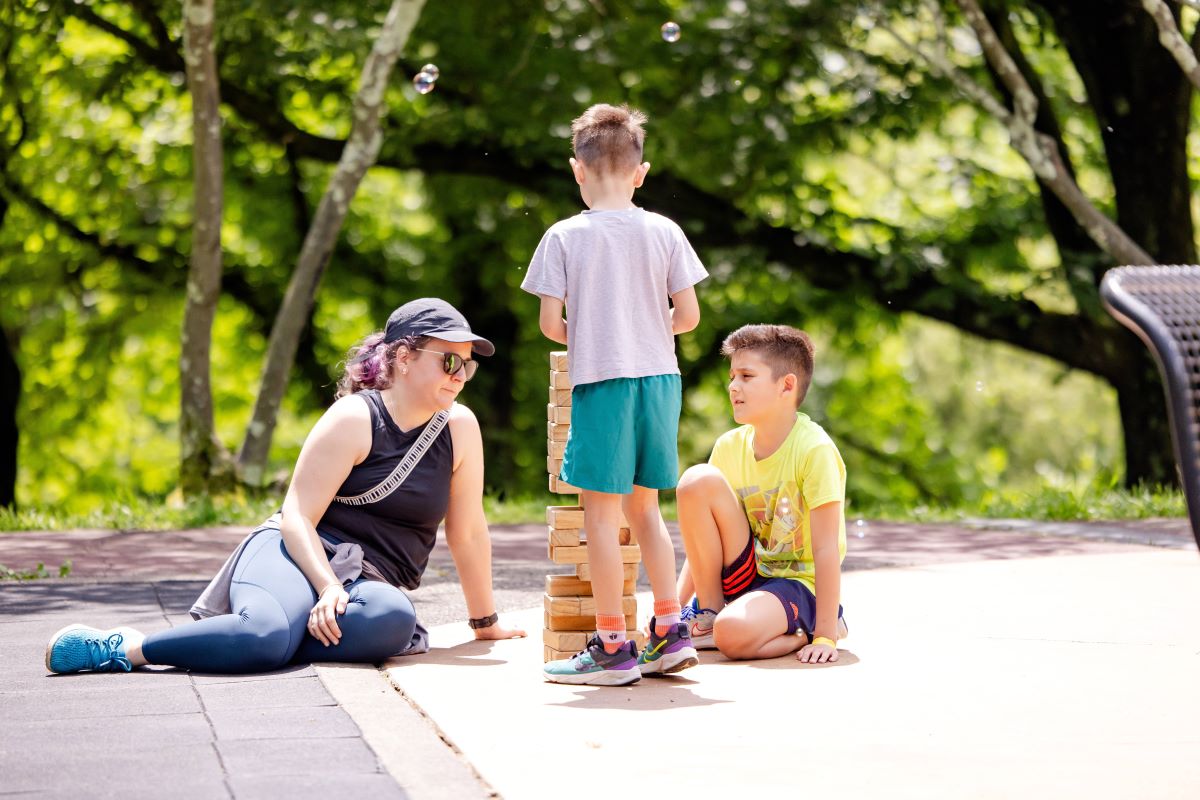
x: 407, y: 464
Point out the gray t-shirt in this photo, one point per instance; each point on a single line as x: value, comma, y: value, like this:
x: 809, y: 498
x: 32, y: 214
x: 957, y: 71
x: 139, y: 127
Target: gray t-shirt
x: 615, y: 270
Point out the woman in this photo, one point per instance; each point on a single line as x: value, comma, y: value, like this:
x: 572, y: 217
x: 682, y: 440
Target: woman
x: 320, y: 581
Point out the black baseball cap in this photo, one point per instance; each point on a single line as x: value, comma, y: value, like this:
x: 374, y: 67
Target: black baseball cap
x: 430, y: 316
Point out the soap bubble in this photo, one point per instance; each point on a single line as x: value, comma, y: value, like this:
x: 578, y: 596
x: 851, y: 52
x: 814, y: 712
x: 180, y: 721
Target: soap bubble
x: 860, y: 528
x: 432, y: 71
x: 423, y: 82
x: 670, y: 32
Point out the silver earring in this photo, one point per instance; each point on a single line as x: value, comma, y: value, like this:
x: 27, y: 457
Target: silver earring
x: 404, y: 370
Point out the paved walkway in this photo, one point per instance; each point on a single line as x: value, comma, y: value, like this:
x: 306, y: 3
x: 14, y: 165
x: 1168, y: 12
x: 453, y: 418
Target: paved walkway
x: 986, y: 659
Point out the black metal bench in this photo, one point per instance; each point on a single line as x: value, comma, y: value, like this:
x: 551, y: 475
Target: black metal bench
x: 1162, y: 306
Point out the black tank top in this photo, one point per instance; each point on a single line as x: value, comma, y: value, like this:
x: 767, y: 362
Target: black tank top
x: 398, y: 532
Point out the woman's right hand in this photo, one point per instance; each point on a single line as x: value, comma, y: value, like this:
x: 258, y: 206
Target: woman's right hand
x: 322, y: 620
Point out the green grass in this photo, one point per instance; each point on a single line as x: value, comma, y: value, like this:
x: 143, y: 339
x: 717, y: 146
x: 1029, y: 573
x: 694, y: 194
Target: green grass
x: 1046, y: 503
x: 144, y: 513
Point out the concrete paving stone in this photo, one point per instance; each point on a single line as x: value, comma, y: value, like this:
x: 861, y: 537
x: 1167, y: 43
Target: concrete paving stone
x: 177, y: 596
x: 35, y: 706
x: 106, y: 734
x: 294, y: 757
x: 292, y: 671
x: 33, y: 677
x: 323, y: 722
x: 94, y: 615
x: 317, y: 787
x: 988, y: 679
x: 282, y: 693
x: 46, y: 597
x: 190, y: 771
x: 406, y: 742
x: 41, y: 628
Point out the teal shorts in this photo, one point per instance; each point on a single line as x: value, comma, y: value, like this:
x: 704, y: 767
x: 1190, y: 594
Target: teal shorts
x: 624, y: 433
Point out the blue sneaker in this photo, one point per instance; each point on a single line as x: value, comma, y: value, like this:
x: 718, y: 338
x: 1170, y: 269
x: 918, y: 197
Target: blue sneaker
x: 668, y: 654
x: 596, y: 666
x: 700, y: 622
x: 77, y: 648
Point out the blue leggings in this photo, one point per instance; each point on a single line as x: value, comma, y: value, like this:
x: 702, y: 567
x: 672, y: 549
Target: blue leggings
x: 267, y: 630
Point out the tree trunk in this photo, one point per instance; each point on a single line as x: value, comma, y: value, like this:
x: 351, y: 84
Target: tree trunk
x: 360, y: 152
x: 10, y: 395
x: 1149, y: 457
x: 1141, y: 102
x: 202, y: 456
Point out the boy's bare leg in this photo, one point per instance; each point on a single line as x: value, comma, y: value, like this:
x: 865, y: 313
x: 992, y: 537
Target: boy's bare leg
x: 755, y: 626
x: 685, y: 587
x: 646, y: 522
x: 601, y: 513
x: 714, y: 530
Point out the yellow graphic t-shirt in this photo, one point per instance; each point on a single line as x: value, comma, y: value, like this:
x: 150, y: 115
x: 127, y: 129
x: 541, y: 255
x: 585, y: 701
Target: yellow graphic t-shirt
x: 778, y: 493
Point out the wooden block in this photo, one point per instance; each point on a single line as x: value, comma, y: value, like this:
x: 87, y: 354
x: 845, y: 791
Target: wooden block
x: 583, y: 622
x: 560, y: 415
x: 558, y: 486
x: 574, y: 537
x: 557, y: 433
x: 558, y: 361
x: 571, y: 537
x: 564, y: 517
x: 582, y: 605
x: 566, y: 586
x: 583, y: 571
x: 630, y: 554
x: 568, y: 641
x: 556, y: 449
x: 568, y: 555
x: 560, y: 380
x: 572, y: 517
x: 553, y: 465
x: 550, y: 654
x: 571, y: 586
x: 559, y: 397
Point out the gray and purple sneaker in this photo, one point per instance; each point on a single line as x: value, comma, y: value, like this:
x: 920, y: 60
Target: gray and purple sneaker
x: 596, y: 666
x: 666, y: 655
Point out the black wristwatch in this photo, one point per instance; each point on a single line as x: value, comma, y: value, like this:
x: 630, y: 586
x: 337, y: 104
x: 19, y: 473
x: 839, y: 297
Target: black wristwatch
x: 484, y: 622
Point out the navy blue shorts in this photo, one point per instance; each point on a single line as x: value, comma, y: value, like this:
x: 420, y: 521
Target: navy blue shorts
x: 741, y: 577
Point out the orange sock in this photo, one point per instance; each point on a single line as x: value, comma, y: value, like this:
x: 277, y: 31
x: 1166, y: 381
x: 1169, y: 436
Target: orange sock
x: 666, y: 614
x: 611, y: 630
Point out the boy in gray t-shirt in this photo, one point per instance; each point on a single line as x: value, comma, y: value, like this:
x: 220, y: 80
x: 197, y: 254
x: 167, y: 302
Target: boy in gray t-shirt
x: 614, y: 266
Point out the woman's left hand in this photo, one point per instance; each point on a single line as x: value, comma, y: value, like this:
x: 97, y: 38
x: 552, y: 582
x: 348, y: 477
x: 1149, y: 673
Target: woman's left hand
x: 499, y: 631
x: 322, y: 620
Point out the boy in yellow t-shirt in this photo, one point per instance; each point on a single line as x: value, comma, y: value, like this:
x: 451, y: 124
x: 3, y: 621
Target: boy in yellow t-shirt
x: 762, y: 521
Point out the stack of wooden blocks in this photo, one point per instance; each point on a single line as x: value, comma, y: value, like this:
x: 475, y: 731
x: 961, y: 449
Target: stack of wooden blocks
x: 570, y: 608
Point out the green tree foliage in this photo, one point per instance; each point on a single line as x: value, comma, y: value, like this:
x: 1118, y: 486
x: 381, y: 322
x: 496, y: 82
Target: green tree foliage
x: 827, y: 178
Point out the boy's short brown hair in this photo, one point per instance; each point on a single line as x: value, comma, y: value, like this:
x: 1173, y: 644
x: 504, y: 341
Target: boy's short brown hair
x: 609, y: 138
x: 784, y: 348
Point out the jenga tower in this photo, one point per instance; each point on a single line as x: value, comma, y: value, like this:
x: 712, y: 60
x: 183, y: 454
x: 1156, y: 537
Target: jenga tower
x: 570, y: 609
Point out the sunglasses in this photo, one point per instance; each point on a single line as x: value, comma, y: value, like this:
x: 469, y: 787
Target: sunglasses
x: 453, y: 363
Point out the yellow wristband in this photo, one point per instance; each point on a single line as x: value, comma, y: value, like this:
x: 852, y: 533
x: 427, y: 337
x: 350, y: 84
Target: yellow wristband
x: 825, y: 640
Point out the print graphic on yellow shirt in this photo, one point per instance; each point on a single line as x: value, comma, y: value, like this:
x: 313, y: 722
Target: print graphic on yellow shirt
x: 778, y: 493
